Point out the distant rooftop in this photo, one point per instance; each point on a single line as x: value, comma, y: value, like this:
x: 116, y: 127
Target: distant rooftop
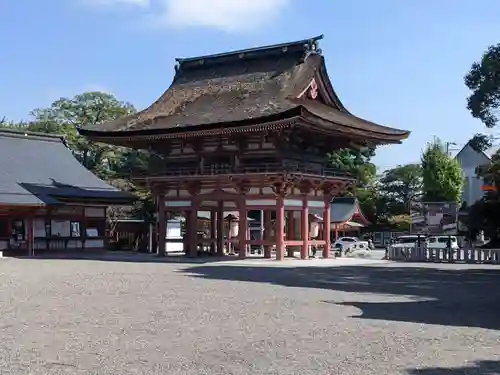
x: 488, y: 153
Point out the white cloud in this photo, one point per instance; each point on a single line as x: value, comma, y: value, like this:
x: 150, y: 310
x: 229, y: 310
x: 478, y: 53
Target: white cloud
x: 226, y: 15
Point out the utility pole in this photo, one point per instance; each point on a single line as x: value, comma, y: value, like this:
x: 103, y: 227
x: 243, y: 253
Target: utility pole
x: 448, y: 144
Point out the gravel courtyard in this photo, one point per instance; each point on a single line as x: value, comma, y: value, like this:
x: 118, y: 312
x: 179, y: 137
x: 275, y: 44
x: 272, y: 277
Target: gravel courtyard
x: 176, y: 317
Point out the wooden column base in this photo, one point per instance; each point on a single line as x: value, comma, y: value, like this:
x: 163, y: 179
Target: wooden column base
x: 304, y: 224
x: 268, y: 227
x: 280, y: 230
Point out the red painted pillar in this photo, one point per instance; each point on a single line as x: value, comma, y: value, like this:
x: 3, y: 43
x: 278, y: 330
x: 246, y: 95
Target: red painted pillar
x: 220, y: 229
x: 304, y: 224
x: 290, y: 233
x: 162, y: 225
x: 213, y: 231
x: 268, y: 227
x: 280, y: 230
x: 242, y: 232
x: 326, y: 228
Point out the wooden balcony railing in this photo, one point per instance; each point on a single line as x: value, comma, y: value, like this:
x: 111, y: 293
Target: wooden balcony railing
x: 244, y: 169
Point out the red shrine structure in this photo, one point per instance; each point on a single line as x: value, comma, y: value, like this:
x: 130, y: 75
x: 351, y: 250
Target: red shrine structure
x: 247, y: 130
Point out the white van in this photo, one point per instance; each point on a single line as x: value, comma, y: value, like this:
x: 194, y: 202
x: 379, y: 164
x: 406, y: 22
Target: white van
x: 408, y: 241
x: 441, y: 242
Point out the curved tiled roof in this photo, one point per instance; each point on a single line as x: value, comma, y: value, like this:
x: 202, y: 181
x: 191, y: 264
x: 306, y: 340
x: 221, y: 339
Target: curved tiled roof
x: 232, y: 88
x: 38, y: 169
x: 343, y: 209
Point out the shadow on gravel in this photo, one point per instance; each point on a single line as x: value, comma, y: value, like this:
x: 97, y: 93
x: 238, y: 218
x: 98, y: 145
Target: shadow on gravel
x: 478, y: 368
x: 453, y: 297
x: 126, y: 257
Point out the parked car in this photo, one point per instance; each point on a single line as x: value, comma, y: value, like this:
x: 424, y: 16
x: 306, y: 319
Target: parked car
x: 344, y: 245
x: 442, y: 242
x: 345, y: 241
x: 360, y: 246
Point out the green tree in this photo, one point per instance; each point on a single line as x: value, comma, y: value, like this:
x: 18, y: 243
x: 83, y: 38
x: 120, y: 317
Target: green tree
x: 356, y: 162
x: 372, y: 204
x: 481, y: 142
x: 400, y: 223
x: 442, y: 176
x: 134, y: 162
x: 65, y: 115
x: 400, y: 185
x: 483, y: 79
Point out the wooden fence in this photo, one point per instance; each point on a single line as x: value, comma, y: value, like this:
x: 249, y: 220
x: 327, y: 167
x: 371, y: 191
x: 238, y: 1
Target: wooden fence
x: 424, y: 254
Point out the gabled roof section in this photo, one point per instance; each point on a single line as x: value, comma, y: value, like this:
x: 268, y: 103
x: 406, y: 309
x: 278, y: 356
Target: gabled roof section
x: 487, y: 153
x: 38, y: 169
x: 344, y: 209
x: 246, y: 87
x: 468, y: 146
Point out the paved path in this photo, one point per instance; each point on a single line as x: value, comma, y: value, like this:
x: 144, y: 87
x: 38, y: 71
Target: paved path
x: 350, y: 317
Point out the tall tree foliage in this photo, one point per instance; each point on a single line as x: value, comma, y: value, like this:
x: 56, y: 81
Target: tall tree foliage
x: 481, y: 142
x: 483, y: 80
x: 385, y: 201
x: 442, y: 176
x: 373, y: 204
x: 400, y: 185
x: 356, y: 162
x: 66, y: 115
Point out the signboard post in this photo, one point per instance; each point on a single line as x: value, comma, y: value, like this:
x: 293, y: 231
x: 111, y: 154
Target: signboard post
x: 434, y: 217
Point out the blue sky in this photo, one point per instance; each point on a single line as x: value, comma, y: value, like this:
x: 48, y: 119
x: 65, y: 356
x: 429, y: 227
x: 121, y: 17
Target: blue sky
x: 398, y: 63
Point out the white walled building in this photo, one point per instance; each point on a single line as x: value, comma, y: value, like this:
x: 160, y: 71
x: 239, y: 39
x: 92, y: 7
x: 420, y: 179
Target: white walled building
x: 469, y: 160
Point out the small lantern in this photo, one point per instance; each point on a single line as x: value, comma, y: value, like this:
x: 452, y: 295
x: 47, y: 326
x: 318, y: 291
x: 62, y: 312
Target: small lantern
x: 314, y: 226
x: 234, y: 225
x: 314, y: 229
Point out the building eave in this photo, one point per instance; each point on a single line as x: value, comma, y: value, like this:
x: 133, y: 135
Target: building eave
x: 285, y: 120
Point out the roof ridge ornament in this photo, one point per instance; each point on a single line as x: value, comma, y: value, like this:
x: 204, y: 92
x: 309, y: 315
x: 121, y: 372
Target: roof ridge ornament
x: 311, y: 48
